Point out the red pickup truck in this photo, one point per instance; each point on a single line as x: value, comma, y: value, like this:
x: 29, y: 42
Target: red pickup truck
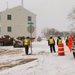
x: 6, y: 40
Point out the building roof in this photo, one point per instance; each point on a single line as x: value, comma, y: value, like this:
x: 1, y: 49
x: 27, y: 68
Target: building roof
x: 17, y: 7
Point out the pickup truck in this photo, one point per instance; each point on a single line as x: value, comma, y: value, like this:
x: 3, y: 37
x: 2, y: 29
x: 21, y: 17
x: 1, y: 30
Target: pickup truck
x: 18, y: 42
x: 6, y: 40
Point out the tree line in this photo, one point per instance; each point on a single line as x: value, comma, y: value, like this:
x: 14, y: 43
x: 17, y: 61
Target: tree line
x: 46, y: 32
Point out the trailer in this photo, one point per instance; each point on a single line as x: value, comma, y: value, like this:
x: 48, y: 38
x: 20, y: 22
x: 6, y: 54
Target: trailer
x: 6, y: 40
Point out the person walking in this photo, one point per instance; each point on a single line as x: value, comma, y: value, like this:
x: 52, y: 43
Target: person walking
x: 51, y: 43
x: 26, y: 43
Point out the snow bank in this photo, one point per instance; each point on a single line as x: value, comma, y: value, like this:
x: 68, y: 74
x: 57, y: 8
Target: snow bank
x: 46, y: 64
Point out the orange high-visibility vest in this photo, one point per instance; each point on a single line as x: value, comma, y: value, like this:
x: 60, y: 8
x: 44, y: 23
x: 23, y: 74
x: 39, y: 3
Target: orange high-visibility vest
x: 70, y: 43
x: 26, y: 41
x: 51, y: 41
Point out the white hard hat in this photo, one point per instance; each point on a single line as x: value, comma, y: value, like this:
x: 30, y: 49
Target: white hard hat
x: 50, y: 35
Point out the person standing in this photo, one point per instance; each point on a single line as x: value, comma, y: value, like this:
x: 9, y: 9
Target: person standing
x: 26, y: 43
x: 59, y: 40
x: 70, y: 43
x: 60, y: 45
x: 67, y: 40
x: 51, y: 43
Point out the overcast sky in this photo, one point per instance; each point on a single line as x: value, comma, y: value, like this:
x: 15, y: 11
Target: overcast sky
x: 50, y: 13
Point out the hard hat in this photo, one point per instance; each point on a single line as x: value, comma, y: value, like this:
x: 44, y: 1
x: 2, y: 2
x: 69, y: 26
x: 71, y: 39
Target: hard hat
x: 50, y: 35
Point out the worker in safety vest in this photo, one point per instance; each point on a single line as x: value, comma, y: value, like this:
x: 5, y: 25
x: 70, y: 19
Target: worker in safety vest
x: 69, y: 44
x: 26, y: 43
x: 59, y: 40
x: 67, y: 40
x: 52, y: 44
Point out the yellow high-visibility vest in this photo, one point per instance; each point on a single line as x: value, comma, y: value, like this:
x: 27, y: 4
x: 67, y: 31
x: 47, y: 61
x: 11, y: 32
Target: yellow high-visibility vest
x: 59, y: 41
x: 51, y: 41
x: 26, y: 41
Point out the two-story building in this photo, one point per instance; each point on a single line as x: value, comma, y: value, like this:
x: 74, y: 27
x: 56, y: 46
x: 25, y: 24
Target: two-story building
x: 14, y: 22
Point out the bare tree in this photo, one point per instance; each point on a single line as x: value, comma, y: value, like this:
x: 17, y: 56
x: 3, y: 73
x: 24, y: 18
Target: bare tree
x: 39, y: 38
x: 71, y: 15
x: 46, y: 32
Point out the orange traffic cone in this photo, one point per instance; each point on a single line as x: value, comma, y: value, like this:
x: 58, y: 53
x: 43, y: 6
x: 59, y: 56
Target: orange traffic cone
x: 61, y: 49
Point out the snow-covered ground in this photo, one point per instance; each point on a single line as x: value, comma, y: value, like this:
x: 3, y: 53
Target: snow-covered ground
x: 46, y: 64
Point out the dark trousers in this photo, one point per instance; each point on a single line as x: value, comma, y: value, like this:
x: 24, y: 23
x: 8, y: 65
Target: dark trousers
x: 52, y: 48
x: 26, y: 49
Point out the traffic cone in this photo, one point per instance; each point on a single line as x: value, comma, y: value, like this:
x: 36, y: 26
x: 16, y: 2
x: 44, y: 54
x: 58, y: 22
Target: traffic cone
x: 61, y: 49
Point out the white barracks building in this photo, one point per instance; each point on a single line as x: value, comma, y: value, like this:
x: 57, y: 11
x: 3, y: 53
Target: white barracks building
x: 14, y: 22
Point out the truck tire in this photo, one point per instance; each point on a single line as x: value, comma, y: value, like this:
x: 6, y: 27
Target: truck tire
x: 74, y: 54
x: 1, y: 43
x: 14, y: 45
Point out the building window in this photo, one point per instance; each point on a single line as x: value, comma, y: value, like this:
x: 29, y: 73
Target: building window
x: 29, y: 18
x: 9, y: 29
x: 8, y: 17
